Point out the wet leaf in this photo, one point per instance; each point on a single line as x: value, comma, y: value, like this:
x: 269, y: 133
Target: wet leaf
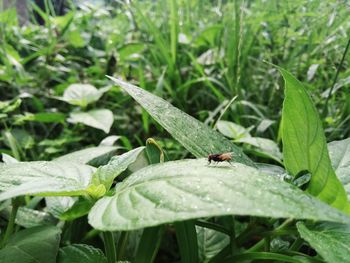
x: 118, y: 164
x: 195, y: 136
x: 187, y: 189
x: 330, y: 240
x: 44, y: 178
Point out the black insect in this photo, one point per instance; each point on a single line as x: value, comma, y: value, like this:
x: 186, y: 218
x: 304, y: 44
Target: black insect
x: 219, y: 157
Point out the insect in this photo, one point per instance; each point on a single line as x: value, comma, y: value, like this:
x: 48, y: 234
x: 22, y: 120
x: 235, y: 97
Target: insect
x: 219, y: 157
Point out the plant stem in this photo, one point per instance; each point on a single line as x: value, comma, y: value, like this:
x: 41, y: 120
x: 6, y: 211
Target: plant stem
x: 336, y: 77
x: 110, y: 250
x: 11, y: 223
x: 262, y: 242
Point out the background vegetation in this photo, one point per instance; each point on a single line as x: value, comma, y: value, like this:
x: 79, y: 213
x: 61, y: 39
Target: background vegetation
x: 213, y: 60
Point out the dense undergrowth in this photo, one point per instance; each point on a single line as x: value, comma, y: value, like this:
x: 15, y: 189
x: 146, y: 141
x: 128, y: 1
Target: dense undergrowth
x: 104, y: 166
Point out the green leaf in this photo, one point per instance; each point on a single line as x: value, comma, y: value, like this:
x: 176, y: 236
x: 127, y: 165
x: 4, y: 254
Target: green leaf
x: 154, y: 151
x: 264, y: 146
x: 44, y: 178
x: 82, y: 94
x: 195, y: 136
x: 131, y: 51
x: 187, y: 241
x: 210, y: 243
x: 149, y: 244
x: 79, y: 209
x: 44, y: 117
x: 188, y: 189
x: 339, y: 152
x: 93, y: 156
x: 75, y: 39
x: 118, y: 164
x: 27, y: 217
x: 232, y: 130
x: 81, y: 253
x: 100, y: 119
x: 304, y: 144
x: 330, y: 240
x: 57, y: 205
x: 36, y: 244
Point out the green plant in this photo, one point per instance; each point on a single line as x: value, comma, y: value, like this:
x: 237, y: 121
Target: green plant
x: 196, y: 200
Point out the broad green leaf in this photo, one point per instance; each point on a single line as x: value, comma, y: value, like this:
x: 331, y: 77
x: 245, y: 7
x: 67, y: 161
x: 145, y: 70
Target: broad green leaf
x: 330, y: 240
x: 44, y: 178
x: 94, y: 156
x: 182, y: 190
x: 100, y: 119
x: 82, y: 94
x: 232, y: 130
x: 36, y: 244
x: 210, y: 243
x: 304, y: 144
x: 195, y: 136
x: 339, y: 152
x: 81, y: 253
x: 118, y: 164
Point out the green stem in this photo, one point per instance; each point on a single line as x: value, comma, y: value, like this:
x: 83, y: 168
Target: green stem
x: 262, y: 242
x: 110, y: 250
x: 213, y: 226
x: 297, y: 244
x: 263, y: 256
x: 336, y: 77
x: 11, y: 223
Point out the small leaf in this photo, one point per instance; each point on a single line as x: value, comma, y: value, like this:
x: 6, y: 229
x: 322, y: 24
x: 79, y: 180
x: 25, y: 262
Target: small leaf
x: 210, y: 243
x: 232, y: 130
x: 304, y: 144
x: 339, y: 152
x: 100, y: 119
x: 79, y: 209
x: 57, y: 205
x: 94, y: 156
x: 188, y: 189
x: 44, y: 117
x: 81, y: 253
x: 36, y: 244
x: 118, y: 164
x: 264, y: 146
x: 82, y: 94
x: 109, y: 140
x: 330, y: 240
x: 195, y: 136
x: 44, y: 178
x: 27, y: 218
